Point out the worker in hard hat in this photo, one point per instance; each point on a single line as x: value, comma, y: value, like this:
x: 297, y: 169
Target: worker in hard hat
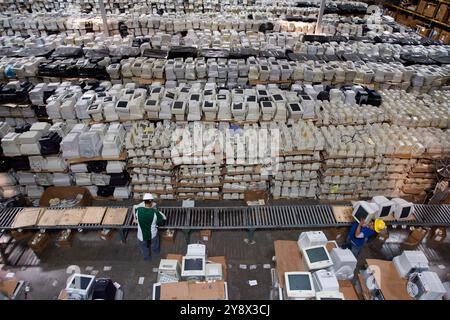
x: 148, y: 219
x: 360, y: 232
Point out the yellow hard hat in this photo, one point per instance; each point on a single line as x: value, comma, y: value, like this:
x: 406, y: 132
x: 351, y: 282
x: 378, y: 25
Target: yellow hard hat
x: 379, y: 225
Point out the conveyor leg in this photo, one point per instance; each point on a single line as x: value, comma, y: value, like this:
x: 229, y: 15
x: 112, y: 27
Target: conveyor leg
x: 123, y: 235
x: 187, y: 234
x: 251, y: 233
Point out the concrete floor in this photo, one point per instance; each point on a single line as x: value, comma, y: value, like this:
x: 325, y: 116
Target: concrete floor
x: 47, y: 273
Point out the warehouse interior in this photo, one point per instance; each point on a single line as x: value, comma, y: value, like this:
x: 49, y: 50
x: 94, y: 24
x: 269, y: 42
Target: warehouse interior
x: 224, y: 150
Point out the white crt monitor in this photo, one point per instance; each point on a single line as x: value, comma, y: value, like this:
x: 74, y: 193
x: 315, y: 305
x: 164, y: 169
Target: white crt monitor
x: 344, y: 263
x: 425, y: 286
x: 325, y: 280
x: 410, y: 261
x: 402, y: 208
x: 329, y: 295
x: 316, y: 258
x: 385, y: 207
x: 299, y: 285
x: 311, y: 239
x: 80, y: 286
x: 193, y: 266
x: 363, y: 210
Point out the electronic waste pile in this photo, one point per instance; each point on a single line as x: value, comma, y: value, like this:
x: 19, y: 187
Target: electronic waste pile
x: 239, y: 96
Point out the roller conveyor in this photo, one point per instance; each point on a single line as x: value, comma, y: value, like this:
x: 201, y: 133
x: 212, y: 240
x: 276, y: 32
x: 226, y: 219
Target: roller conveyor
x: 264, y: 217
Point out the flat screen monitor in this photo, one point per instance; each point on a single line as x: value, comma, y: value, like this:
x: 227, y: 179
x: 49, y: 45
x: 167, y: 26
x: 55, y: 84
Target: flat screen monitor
x: 299, y: 285
x: 317, y: 257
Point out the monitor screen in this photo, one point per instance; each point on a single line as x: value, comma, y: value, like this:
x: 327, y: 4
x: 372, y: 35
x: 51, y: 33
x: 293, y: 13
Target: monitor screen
x: 277, y: 97
x: 107, y: 99
x: 361, y: 213
x: 299, y: 282
x: 170, y: 95
x: 195, y: 97
x: 208, y: 104
x: 156, y: 90
x: 405, y: 212
x: 306, y: 97
x: 385, y: 211
x: 151, y: 102
x: 178, y: 105
x: 80, y: 282
x: 317, y: 254
x: 122, y: 104
x: 193, y: 264
x: 295, y: 107
x: 129, y: 91
x: 237, y: 106
x: 262, y: 92
x: 251, y: 99
x: 267, y: 104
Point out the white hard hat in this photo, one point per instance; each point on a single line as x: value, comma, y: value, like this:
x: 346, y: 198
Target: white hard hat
x: 148, y: 196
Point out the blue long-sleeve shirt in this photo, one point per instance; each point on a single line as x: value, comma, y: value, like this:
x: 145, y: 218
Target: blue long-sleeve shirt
x: 359, y: 241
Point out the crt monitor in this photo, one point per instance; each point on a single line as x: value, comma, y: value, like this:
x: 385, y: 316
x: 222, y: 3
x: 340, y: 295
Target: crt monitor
x: 193, y: 266
x: 363, y: 210
x: 402, y: 209
x: 425, y: 286
x: 317, y: 257
x: 299, y: 285
x: 384, y: 207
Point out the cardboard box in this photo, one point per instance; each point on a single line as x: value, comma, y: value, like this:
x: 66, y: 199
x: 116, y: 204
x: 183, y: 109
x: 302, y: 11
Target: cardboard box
x: 39, y: 242
x: 421, y: 6
x: 65, y: 193
x: 193, y: 291
x: 106, y: 234
x: 444, y: 37
x: 65, y: 239
x: 430, y: 9
x: 416, y: 236
x: 423, y: 31
x: 168, y: 236
x: 205, y: 235
x: 442, y: 13
x: 21, y: 235
x: 438, y: 234
x: 255, y: 197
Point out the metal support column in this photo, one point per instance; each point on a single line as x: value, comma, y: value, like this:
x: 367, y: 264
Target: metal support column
x: 187, y: 234
x: 103, y: 13
x: 319, y: 18
x: 251, y: 233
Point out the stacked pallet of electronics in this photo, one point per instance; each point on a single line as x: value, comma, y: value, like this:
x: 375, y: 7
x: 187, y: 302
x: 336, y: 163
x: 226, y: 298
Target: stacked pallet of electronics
x: 149, y: 158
